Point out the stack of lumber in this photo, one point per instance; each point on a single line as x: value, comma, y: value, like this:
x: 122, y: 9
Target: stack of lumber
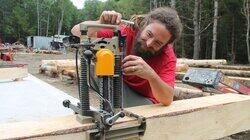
x: 56, y: 67
x: 66, y: 69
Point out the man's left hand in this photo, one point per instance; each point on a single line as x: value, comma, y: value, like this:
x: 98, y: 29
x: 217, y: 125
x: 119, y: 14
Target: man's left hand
x: 135, y: 65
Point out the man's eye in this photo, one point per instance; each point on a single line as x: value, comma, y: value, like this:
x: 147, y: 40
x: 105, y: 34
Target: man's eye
x: 148, y: 34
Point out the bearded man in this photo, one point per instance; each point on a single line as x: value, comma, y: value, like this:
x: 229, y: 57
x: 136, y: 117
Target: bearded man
x: 149, y: 67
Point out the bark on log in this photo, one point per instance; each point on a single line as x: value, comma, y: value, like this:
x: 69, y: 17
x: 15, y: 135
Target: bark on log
x: 181, y: 93
x: 70, y: 73
x: 204, y: 63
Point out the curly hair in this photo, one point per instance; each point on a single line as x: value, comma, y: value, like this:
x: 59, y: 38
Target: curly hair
x: 165, y: 15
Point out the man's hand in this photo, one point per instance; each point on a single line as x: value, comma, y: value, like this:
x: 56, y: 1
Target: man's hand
x: 110, y: 17
x: 134, y: 65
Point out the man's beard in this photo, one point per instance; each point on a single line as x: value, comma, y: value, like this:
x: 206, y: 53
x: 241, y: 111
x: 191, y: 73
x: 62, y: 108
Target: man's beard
x: 145, y: 54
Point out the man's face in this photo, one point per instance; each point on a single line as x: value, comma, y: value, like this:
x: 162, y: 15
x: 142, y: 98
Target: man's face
x: 151, y: 40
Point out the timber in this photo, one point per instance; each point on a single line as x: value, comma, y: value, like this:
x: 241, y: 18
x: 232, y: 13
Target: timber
x: 243, y: 80
x: 179, y: 75
x: 181, y: 67
x: 13, y: 71
x: 239, y: 73
x: 181, y: 93
x: 68, y: 67
x: 203, y: 63
x: 230, y: 67
x: 56, y: 67
x: 48, y: 52
x: 210, y: 117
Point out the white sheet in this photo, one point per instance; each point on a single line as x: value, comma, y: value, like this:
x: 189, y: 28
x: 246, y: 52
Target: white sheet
x: 31, y: 99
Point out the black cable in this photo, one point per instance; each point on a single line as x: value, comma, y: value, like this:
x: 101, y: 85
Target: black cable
x: 77, y: 73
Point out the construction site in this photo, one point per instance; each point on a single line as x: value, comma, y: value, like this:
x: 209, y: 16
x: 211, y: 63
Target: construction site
x: 124, y: 70
x: 49, y: 77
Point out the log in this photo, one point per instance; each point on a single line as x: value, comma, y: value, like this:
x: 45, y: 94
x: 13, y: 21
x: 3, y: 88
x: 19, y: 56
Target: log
x: 245, y: 81
x: 181, y: 67
x: 48, y: 51
x: 238, y: 73
x: 58, y: 62
x: 181, y: 93
x: 70, y: 73
x: 204, y: 62
x: 179, y: 75
x: 210, y: 117
x: 57, y: 66
x: 230, y: 67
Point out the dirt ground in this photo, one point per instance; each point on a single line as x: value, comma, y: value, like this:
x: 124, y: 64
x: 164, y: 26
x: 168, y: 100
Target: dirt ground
x: 34, y: 60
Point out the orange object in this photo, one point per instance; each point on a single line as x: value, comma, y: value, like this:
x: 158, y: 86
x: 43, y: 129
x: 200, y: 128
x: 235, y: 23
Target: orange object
x: 105, y: 62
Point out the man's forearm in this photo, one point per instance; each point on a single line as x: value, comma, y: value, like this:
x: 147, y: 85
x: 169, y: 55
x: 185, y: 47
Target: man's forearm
x: 91, y: 31
x: 161, y: 91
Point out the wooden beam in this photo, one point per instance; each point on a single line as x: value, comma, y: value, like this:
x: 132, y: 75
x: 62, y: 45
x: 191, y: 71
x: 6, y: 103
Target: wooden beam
x: 13, y: 72
x: 208, y: 117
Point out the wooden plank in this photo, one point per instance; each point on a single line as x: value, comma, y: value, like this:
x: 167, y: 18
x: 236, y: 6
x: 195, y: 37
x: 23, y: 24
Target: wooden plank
x: 13, y: 73
x: 208, y: 117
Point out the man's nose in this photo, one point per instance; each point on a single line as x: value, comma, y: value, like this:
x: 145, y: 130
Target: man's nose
x: 149, y: 42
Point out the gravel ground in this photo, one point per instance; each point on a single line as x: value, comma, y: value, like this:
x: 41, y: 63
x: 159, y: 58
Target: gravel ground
x: 34, y: 60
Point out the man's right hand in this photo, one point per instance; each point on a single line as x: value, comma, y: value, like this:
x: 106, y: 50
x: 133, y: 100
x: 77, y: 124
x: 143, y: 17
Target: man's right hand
x: 110, y: 17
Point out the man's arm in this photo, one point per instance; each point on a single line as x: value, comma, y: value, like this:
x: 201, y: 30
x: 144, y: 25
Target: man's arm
x: 107, y: 17
x: 134, y: 65
x: 91, y: 31
x: 161, y: 90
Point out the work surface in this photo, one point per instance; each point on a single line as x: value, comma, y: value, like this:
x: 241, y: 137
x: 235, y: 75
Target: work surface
x: 31, y: 99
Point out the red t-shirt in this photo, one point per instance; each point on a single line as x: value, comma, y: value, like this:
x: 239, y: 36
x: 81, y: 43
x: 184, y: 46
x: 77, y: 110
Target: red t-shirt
x: 163, y: 64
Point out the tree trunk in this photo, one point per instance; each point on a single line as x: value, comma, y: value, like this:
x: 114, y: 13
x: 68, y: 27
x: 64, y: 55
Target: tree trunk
x: 155, y: 4
x: 248, y: 29
x: 38, y: 17
x: 60, y: 23
x: 232, y: 41
x: 47, y: 29
x: 196, y: 30
x: 215, y: 29
x: 246, y: 12
x: 172, y: 3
